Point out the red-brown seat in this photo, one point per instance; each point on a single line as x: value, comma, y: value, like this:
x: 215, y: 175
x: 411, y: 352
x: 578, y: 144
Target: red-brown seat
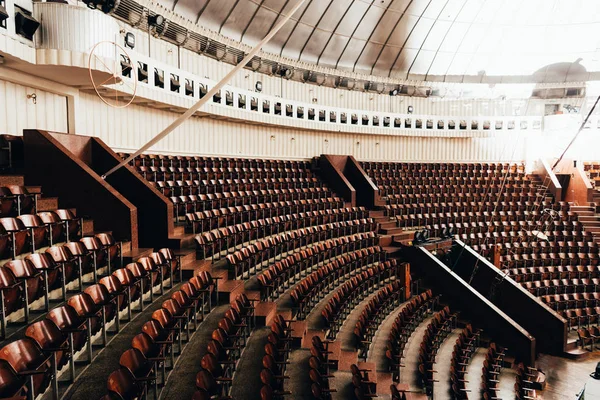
x: 55, y: 226
x: 38, y: 231
x: 24, y: 356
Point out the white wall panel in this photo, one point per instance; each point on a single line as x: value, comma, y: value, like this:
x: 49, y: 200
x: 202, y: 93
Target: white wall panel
x: 128, y: 129
x: 18, y: 113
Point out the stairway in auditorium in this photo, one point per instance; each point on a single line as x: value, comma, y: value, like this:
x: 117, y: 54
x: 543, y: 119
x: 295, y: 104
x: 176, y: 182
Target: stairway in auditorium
x: 589, y: 219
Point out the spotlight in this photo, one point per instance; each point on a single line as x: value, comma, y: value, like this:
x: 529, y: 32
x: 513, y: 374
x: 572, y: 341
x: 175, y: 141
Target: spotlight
x: 25, y: 24
x: 156, y: 20
x: 410, y: 109
x: 394, y: 92
x: 105, y: 6
x: 258, y: 86
x: 418, y: 237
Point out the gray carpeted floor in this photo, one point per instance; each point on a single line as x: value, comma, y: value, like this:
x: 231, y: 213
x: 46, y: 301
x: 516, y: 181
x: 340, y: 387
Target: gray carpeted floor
x: 442, y: 386
x: 181, y: 383
x: 91, y: 383
x: 299, y: 382
x: 408, y: 374
x: 246, y: 380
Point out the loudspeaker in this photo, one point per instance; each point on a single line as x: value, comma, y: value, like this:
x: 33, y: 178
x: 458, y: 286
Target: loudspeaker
x: 25, y: 24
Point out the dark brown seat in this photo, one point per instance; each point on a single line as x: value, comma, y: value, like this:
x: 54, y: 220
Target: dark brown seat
x: 18, y: 234
x: 26, y: 202
x: 56, y: 228
x: 12, y: 386
x: 122, y: 384
x: 25, y: 272
x: 30, y: 363
x: 38, y: 231
x: 73, y: 224
x: 53, y: 273
x: 141, y: 368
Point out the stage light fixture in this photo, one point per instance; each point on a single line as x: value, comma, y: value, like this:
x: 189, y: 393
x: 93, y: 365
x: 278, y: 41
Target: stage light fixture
x: 156, y: 20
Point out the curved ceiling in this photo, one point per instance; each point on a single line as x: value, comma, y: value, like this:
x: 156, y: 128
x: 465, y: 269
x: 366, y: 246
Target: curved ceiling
x: 436, y: 40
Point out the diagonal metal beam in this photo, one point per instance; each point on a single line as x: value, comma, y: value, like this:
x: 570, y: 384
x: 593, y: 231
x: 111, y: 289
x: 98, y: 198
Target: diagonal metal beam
x: 228, y: 15
x: 185, y: 116
x: 390, y: 36
x: 352, y: 35
x: 252, y: 19
x: 444, y: 39
x: 294, y: 28
x: 425, y: 38
x: 406, y: 40
x: 315, y: 28
x: 334, y: 30
x: 202, y: 10
x: 371, y: 35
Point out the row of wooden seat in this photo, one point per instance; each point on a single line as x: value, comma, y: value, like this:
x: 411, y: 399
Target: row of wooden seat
x: 250, y: 258
x: 577, y: 317
x: 420, y: 166
x: 209, y: 201
x: 320, y: 366
x: 525, y: 381
x: 29, y: 232
x: 565, y: 301
x: 143, y: 366
x: 348, y: 296
x: 469, y: 211
x: 328, y: 210
x: 588, y: 337
x: 438, y: 329
x: 464, y: 348
x: 161, y: 160
x: 530, y: 274
x: 224, y: 350
x: 410, y: 316
x: 51, y: 343
x: 373, y: 314
x: 177, y: 188
x: 491, y: 370
x: 213, y: 243
x: 275, y: 360
x: 26, y: 280
x: 276, y: 278
x: 562, y: 286
x: 152, y: 173
x: 315, y: 287
x: 16, y: 200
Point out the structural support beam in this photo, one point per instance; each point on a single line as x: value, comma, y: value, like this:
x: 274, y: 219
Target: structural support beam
x: 210, y: 93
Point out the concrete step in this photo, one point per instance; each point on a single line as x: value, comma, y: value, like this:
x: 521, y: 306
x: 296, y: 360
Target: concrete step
x: 47, y: 204
x: 387, y: 224
x: 376, y: 213
x: 7, y: 180
x: 135, y: 254
x: 182, y: 241
x: 88, y: 226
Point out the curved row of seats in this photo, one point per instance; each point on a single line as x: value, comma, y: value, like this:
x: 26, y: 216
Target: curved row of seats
x: 275, y: 360
x: 26, y: 280
x: 491, y: 370
x: 224, y: 350
x: 209, y: 201
x: 374, y: 312
x: 435, y: 334
x: 143, y: 366
x: 213, y: 243
x: 419, y: 167
x: 163, y: 173
x: 410, y: 316
x: 464, y: 348
x: 51, y: 343
x: 202, y: 221
x: 16, y: 200
x: 276, y: 278
x: 312, y: 289
x: 320, y: 366
x: 249, y: 259
x: 348, y: 296
x: 161, y: 160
